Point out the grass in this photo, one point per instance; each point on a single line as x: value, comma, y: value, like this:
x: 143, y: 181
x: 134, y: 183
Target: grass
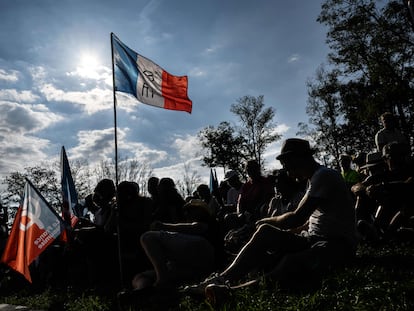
x: 382, y: 278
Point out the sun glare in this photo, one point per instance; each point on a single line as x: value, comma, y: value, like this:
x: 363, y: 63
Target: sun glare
x: 88, y: 65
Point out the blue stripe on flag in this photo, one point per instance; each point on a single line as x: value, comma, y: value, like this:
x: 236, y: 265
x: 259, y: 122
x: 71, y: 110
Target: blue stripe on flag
x: 126, y: 71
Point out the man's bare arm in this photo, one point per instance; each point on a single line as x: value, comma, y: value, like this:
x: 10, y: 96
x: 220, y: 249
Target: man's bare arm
x: 293, y: 219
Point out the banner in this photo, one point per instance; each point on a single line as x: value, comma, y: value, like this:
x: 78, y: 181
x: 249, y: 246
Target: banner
x: 35, y: 227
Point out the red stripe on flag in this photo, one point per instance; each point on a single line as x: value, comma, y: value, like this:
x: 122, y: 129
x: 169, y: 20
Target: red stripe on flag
x: 174, y: 91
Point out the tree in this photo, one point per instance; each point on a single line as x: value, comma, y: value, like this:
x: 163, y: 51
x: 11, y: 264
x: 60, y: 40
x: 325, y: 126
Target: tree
x: 43, y: 178
x: 373, y: 47
x: 222, y: 146
x: 191, y: 180
x: 229, y: 146
x: 128, y: 169
x: 324, y: 110
x: 371, y: 61
x: 256, y: 125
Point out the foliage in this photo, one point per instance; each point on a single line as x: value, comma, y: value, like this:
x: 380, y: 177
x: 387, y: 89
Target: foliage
x: 46, y: 178
x: 128, y: 169
x: 256, y: 125
x: 223, y: 146
x: 43, y: 177
x: 230, y: 146
x: 370, y: 71
x: 189, y: 183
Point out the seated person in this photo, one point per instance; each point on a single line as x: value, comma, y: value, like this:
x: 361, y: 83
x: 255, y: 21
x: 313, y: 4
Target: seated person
x: 393, y: 195
x: 181, y: 252
x: 365, y: 207
x: 233, y: 180
x: 169, y: 204
x: 134, y: 218
x: 350, y: 175
x: 329, y: 241
x: 289, y: 192
x: 255, y: 194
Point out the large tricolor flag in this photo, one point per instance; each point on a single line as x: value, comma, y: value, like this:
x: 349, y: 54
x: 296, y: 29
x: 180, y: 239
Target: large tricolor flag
x: 35, y: 227
x: 69, y: 194
x: 149, y: 83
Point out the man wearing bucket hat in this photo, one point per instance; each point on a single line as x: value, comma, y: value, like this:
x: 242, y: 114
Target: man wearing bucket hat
x: 282, y: 252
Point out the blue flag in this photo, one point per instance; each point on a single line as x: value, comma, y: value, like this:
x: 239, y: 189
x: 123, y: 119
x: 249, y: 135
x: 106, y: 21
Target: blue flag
x: 69, y: 194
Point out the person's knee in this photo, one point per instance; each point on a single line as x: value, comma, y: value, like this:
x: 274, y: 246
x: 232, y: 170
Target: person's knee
x: 264, y: 230
x: 149, y: 237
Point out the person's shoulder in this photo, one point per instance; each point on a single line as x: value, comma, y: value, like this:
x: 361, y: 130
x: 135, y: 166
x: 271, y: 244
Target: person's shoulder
x: 327, y: 172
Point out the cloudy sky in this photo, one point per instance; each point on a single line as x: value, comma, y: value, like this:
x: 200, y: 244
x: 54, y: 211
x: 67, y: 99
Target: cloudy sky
x: 56, y: 76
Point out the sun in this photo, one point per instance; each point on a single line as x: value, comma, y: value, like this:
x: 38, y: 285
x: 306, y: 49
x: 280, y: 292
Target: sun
x: 89, y: 65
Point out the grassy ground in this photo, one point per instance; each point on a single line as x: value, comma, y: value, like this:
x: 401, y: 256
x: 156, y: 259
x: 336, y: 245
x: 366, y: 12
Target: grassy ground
x: 382, y: 278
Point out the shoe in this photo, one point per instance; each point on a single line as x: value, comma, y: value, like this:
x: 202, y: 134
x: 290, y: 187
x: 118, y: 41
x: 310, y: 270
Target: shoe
x: 217, y: 294
x: 368, y: 231
x: 199, y: 289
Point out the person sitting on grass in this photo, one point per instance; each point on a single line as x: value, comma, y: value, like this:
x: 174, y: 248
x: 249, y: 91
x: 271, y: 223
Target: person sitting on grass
x: 278, y: 248
x: 181, y: 252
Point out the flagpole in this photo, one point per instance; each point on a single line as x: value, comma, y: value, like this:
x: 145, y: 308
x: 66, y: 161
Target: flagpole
x: 115, y: 123
x: 121, y: 274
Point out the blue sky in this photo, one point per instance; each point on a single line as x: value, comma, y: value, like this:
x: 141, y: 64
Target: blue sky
x: 56, y: 76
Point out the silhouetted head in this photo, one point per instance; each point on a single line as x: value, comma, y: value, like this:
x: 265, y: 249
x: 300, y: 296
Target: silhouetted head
x: 104, y: 192
x: 152, y: 185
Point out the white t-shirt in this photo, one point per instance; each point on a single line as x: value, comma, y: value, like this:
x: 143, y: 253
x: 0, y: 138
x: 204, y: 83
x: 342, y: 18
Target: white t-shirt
x: 335, y: 216
x: 233, y: 196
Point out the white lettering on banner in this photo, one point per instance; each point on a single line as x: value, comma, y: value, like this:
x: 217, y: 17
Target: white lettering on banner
x: 51, y: 233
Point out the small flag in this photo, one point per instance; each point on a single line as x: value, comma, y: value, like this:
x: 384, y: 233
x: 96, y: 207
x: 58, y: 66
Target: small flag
x: 213, y: 181
x: 35, y: 227
x: 149, y: 83
x: 69, y: 194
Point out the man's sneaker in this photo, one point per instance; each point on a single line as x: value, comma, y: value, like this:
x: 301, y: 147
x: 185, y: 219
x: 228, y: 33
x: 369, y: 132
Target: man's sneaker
x: 199, y: 289
x: 217, y: 294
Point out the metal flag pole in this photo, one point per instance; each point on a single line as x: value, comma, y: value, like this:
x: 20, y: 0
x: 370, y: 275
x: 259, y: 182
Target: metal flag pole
x: 115, y: 123
x: 116, y: 167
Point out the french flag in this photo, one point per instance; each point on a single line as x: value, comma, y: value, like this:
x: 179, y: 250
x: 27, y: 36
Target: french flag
x: 149, y: 83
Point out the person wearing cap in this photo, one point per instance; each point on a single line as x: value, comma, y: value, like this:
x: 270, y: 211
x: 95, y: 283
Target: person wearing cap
x: 289, y: 256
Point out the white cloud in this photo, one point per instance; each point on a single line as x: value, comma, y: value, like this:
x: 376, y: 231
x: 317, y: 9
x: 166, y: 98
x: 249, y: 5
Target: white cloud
x: 212, y: 49
x: 38, y: 73
x: 23, y: 119
x: 187, y: 146
x: 293, y: 58
x: 10, y: 75
x: 95, y: 145
x: 91, y: 101
x: 18, y: 96
x: 93, y: 72
x: 197, y: 72
x: 19, y: 151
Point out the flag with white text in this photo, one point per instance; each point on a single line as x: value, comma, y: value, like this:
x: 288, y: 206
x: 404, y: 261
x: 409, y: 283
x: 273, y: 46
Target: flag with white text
x: 149, y: 83
x: 36, y: 225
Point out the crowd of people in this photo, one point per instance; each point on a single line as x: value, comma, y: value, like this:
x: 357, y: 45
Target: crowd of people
x: 292, y: 225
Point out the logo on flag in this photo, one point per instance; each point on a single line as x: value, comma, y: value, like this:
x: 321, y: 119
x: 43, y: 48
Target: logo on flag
x: 35, y: 227
x: 149, y: 83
